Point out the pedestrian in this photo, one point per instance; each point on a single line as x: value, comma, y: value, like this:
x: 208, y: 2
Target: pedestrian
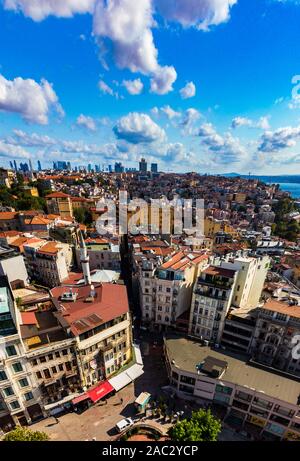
x: 121, y: 399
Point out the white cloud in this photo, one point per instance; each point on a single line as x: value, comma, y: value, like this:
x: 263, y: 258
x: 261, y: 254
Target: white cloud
x: 190, y: 116
x: 197, y: 13
x: 138, y: 128
x: 226, y: 148
x: 188, y: 91
x: 86, y: 122
x: 169, y: 112
x: 106, y: 89
x: 30, y: 140
x: 32, y: 100
x: 128, y: 26
x: 262, y: 123
x: 163, y: 79
x: 12, y: 151
x: 133, y: 87
x: 40, y: 9
x: 282, y: 138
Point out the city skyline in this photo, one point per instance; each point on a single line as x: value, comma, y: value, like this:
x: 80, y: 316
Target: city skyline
x: 209, y: 88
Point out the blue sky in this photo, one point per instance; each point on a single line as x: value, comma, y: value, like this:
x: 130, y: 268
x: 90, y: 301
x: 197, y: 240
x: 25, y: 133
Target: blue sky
x: 212, y: 83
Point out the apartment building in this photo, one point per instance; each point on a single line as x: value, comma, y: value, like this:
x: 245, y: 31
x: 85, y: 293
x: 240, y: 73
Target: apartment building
x: 277, y: 323
x: 212, y: 298
x: 166, y: 289
x: 51, y: 355
x: 60, y: 204
x: 97, y: 316
x: 230, y: 282
x: 19, y: 393
x: 13, y: 266
x: 48, y: 262
x: 102, y: 253
x: 257, y: 400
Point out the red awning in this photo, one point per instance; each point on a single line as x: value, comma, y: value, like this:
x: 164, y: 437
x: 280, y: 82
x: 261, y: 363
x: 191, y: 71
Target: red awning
x: 100, y: 391
x: 80, y: 398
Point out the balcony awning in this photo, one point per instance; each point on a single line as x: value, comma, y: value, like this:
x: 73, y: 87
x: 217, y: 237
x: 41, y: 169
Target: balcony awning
x: 135, y: 371
x: 100, y: 391
x: 80, y: 398
x: 120, y: 381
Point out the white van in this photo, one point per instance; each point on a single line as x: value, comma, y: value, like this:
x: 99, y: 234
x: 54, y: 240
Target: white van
x: 124, y: 424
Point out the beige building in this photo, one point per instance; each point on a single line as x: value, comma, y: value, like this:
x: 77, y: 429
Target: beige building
x: 166, y: 290
x: 59, y: 203
x: 262, y: 403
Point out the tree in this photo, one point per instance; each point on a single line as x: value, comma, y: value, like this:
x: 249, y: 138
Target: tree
x: 23, y: 434
x: 201, y: 427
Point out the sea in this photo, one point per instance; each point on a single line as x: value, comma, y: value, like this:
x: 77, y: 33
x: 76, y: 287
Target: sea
x: 289, y: 183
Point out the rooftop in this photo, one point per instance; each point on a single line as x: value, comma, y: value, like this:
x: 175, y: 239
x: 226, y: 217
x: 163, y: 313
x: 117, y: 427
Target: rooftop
x: 109, y: 301
x: 187, y: 354
x: 282, y: 308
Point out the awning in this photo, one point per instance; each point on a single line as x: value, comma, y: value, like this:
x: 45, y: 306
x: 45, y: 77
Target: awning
x: 80, y: 398
x: 100, y: 391
x: 120, y: 381
x: 138, y: 355
x: 135, y: 371
x: 61, y: 402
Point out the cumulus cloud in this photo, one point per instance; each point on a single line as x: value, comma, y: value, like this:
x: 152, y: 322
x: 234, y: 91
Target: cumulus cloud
x: 190, y: 116
x: 169, y: 112
x: 128, y: 26
x: 87, y: 122
x: 188, y: 91
x: 195, y: 13
x: 226, y: 148
x: 105, y: 89
x: 32, y: 100
x: 12, y: 150
x: 30, y: 140
x: 40, y: 9
x: 282, y: 138
x: 262, y: 123
x: 133, y: 87
x: 138, y: 128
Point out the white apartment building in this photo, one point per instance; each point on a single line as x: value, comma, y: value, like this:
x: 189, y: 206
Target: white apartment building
x: 19, y: 393
x: 166, y: 289
x: 229, y: 282
x: 48, y: 262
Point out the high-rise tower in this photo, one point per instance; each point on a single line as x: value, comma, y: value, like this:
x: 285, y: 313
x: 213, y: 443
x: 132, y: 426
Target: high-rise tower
x: 85, y: 261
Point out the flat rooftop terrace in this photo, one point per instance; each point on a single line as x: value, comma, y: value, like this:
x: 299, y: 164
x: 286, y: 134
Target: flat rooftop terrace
x: 187, y: 354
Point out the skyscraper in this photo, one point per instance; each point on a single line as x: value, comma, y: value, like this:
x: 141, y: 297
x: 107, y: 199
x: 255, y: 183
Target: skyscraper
x: 143, y: 166
x: 154, y: 168
x: 119, y: 167
x: 39, y: 165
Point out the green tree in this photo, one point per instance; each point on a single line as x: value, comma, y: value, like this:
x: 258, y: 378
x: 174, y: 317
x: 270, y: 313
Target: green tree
x: 23, y: 434
x: 201, y: 427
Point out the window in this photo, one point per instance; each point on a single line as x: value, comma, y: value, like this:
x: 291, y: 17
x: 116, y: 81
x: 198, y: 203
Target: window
x: 14, y: 405
x: 3, y: 376
x: 223, y: 389
x: 57, y: 354
x: 54, y: 370
x: 61, y: 367
x: 65, y: 352
x: 28, y: 396
x: 187, y: 380
x: 50, y: 357
x: 47, y: 374
x: 39, y: 375
x: 11, y: 350
x: 17, y: 367
x: 34, y: 362
x: 42, y: 359
x: 23, y: 382
x: 8, y: 391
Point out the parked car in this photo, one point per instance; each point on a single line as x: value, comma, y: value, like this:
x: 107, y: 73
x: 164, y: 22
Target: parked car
x: 124, y: 424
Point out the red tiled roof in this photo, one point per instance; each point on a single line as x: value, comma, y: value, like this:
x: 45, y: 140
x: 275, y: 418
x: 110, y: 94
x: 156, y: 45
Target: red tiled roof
x: 110, y: 301
x: 57, y: 195
x: 28, y: 318
x: 8, y: 215
x: 282, y: 308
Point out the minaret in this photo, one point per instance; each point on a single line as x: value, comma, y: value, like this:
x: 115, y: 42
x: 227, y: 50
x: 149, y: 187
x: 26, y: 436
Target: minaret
x: 85, y: 261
